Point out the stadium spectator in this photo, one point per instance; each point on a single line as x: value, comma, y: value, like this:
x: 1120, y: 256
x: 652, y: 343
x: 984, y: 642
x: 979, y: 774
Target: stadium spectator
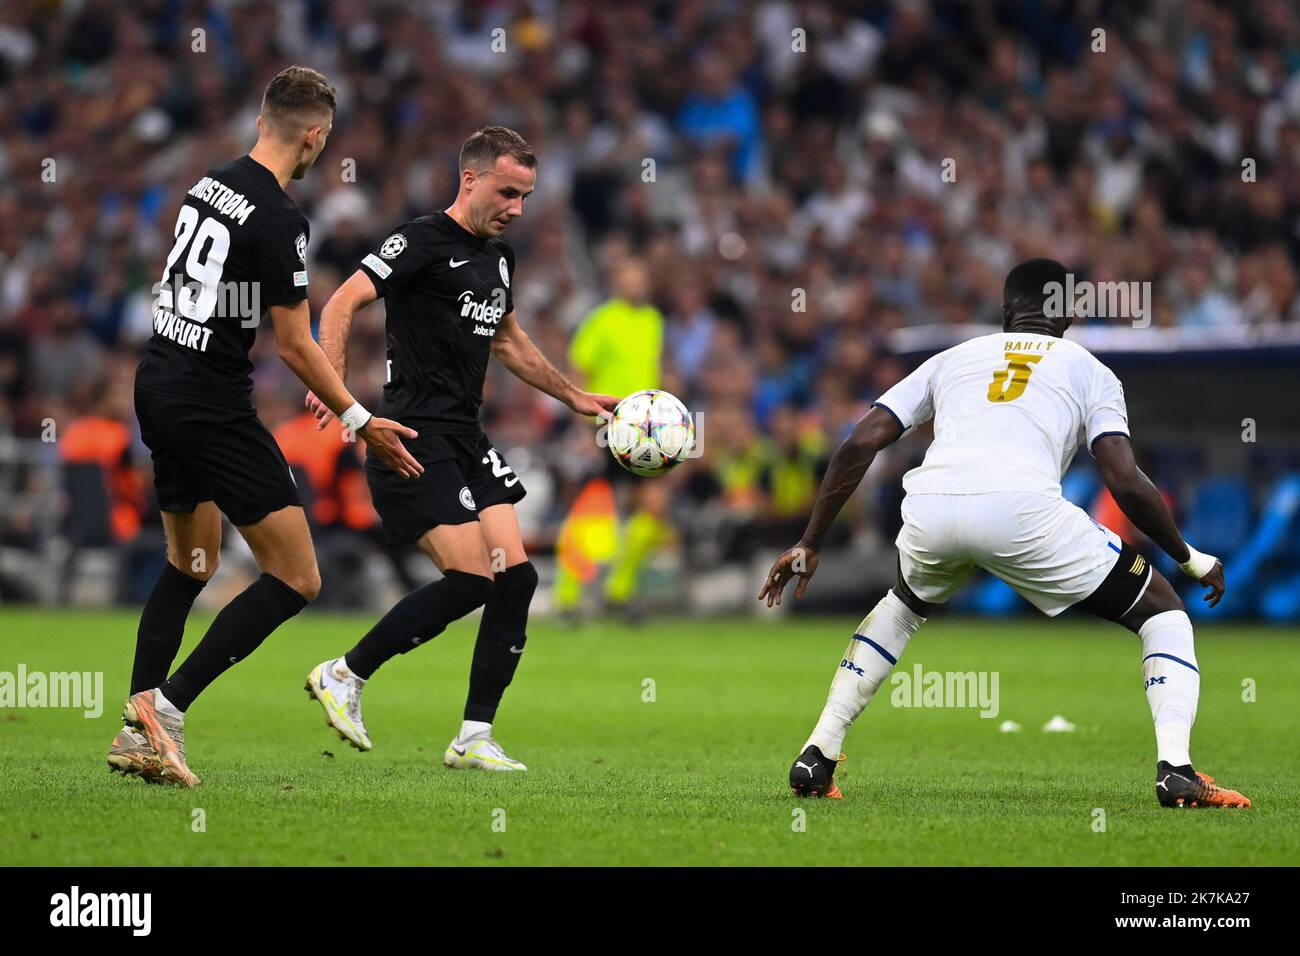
x: 777, y: 173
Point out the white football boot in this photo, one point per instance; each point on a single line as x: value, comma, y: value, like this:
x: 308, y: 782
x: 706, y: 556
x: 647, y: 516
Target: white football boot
x: 480, y: 752
x: 164, y: 733
x: 339, y: 692
x: 130, y: 755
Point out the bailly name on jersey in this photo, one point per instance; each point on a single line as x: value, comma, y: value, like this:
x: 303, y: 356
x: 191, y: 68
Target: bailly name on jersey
x: 223, y: 199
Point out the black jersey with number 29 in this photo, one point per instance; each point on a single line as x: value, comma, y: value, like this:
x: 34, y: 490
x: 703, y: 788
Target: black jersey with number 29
x: 445, y: 292
x: 240, y: 246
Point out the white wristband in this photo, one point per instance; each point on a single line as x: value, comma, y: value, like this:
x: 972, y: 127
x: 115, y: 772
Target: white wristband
x: 355, y: 418
x: 1197, y: 565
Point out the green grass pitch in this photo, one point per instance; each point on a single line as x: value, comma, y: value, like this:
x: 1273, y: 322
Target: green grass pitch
x: 697, y: 776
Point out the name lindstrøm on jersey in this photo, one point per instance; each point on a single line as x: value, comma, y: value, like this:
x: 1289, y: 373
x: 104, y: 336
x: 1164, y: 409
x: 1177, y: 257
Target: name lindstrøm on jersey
x: 223, y: 199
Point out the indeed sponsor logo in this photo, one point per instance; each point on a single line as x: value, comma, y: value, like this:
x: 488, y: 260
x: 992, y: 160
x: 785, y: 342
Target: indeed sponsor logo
x: 480, y: 313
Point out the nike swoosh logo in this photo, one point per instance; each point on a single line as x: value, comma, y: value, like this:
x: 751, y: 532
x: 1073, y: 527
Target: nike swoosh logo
x: 460, y: 751
x: 456, y: 265
x: 511, y: 482
x: 516, y: 650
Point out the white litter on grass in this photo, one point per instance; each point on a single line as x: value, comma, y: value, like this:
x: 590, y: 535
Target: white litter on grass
x: 1058, y: 725
x: 1009, y: 727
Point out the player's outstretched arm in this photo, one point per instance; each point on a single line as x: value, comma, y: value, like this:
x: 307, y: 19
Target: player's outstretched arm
x: 300, y: 352
x: 516, y: 351
x: 1138, y: 498
x: 877, y: 429
x: 335, y: 330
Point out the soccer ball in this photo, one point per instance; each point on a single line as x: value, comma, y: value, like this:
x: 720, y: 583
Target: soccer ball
x: 650, y: 432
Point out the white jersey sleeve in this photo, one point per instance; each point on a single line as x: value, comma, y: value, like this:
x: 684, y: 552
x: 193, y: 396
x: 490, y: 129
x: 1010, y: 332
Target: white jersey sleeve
x: 1106, y: 412
x: 911, y: 401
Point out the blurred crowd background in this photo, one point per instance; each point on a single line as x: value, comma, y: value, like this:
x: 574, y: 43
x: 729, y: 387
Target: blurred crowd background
x: 740, y: 202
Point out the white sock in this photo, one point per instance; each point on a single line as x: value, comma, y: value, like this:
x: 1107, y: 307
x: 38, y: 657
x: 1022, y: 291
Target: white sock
x: 872, y: 654
x: 1172, y: 682
x: 165, y: 706
x: 343, y: 672
x: 474, y: 728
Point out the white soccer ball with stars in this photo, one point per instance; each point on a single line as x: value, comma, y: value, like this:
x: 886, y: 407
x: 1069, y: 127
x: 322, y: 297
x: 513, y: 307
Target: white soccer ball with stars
x: 650, y: 432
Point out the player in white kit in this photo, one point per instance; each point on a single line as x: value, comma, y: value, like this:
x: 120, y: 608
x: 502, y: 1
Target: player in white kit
x: 1010, y: 410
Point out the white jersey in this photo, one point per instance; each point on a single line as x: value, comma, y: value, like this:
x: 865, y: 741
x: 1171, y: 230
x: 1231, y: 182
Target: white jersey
x: 1010, y: 410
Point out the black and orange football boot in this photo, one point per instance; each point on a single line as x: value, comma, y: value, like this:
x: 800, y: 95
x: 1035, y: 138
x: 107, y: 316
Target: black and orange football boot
x: 1185, y: 787
x: 813, y: 775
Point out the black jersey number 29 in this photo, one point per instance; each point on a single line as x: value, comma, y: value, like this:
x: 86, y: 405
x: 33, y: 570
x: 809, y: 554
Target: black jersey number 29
x: 206, y: 271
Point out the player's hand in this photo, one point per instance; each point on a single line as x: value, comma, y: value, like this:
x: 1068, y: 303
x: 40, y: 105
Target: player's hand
x: 800, y: 560
x: 1215, y: 582
x: 381, y: 439
x: 323, y: 415
x: 591, y: 403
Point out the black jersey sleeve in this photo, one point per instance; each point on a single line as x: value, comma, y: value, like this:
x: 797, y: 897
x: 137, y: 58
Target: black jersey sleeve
x: 282, y: 259
x: 399, y: 258
x: 509, y: 254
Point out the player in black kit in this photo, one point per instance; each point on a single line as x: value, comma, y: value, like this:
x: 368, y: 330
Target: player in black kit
x: 445, y: 280
x: 240, y: 247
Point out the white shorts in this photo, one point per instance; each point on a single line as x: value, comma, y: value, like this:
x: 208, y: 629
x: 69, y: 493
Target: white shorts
x: 1046, y: 548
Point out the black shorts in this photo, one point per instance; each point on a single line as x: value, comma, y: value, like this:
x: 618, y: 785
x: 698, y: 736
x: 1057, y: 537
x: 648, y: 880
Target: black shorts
x: 204, y: 452
x: 463, y: 474
x: 1121, y: 589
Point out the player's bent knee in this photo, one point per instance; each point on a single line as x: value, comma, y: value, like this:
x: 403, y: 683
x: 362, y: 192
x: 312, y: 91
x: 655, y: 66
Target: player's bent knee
x: 1160, y: 595
x: 1158, y: 598
x: 311, y: 587
x: 909, y: 599
x: 199, y: 570
x: 306, y: 582
x: 518, y: 578
x: 476, y: 589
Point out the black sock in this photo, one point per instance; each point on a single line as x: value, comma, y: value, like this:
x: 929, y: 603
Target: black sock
x: 421, y: 615
x: 162, y: 626
x: 236, y: 632
x: 500, y: 641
